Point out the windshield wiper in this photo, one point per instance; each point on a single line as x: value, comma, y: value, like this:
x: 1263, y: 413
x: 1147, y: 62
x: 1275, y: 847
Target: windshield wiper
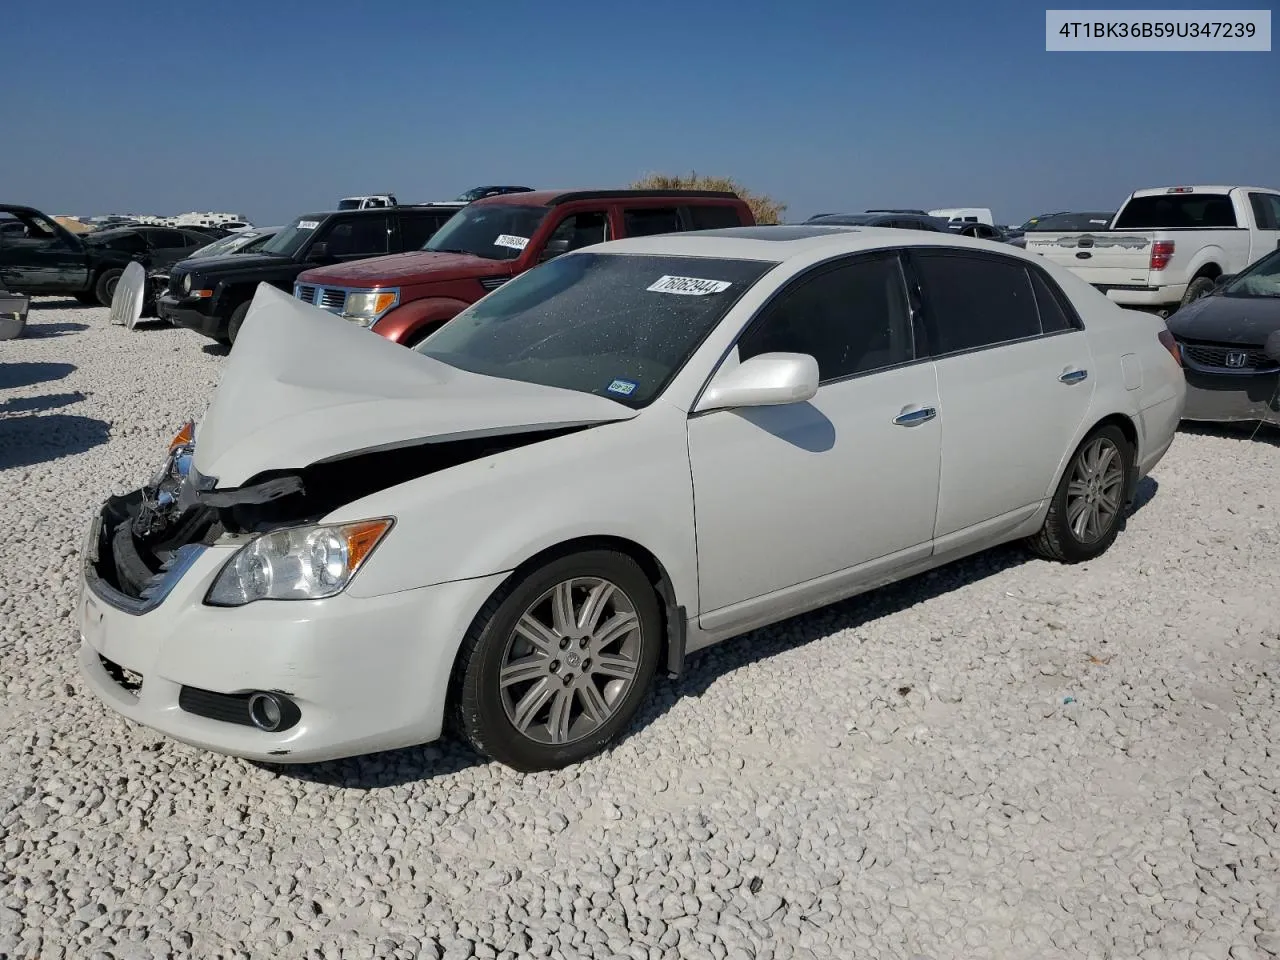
x: 469, y: 253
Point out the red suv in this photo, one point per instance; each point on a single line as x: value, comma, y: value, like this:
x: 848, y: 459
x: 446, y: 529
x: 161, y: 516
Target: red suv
x: 406, y: 296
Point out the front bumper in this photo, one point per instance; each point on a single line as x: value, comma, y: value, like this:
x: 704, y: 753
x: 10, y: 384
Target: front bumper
x: 185, y: 313
x: 1228, y: 397
x: 367, y: 674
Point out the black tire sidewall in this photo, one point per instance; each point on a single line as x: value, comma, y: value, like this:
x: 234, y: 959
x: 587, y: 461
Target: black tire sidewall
x: 483, y: 718
x: 237, y: 319
x: 1073, y: 550
x: 1204, y: 284
x: 107, y: 279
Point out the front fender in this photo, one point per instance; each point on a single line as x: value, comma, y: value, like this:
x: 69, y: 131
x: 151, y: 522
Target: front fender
x: 406, y: 323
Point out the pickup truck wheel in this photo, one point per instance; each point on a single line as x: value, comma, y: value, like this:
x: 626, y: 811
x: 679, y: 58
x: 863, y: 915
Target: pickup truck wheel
x: 1196, y: 289
x: 237, y: 319
x: 105, y: 288
x: 557, y: 664
x: 89, y: 298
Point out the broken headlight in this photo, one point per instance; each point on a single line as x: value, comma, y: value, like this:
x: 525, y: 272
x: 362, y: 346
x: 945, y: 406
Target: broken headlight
x: 301, y: 563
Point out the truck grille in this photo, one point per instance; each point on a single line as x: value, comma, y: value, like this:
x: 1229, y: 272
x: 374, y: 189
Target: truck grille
x: 306, y: 294
x: 333, y: 299
x: 1228, y: 357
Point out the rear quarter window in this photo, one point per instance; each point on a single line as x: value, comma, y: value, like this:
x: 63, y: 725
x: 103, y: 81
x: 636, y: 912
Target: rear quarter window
x: 714, y: 217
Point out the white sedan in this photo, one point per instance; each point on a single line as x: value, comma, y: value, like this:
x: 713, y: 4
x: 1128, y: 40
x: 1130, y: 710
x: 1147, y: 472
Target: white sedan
x: 624, y: 455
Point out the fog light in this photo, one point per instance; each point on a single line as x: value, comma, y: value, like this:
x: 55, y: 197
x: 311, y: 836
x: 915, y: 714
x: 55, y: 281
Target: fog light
x: 268, y: 710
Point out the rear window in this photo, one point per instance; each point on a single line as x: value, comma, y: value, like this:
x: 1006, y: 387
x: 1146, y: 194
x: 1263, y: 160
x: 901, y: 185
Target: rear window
x: 1177, y: 211
x: 714, y: 217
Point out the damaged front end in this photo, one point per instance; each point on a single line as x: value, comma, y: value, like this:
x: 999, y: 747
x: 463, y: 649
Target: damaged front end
x: 141, y: 543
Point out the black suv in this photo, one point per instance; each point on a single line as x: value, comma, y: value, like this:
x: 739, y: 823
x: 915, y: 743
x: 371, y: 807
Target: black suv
x: 212, y: 296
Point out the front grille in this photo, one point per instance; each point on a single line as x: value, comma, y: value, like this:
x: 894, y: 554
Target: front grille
x: 227, y: 707
x: 129, y: 680
x: 493, y: 283
x: 1216, y: 355
x: 307, y: 294
x: 333, y: 299
x: 175, y: 284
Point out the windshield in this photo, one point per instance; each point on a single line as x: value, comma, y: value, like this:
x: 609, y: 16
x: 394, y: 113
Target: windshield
x: 616, y: 325
x: 1260, y: 280
x: 228, y: 244
x: 348, y: 204
x: 292, y: 238
x: 495, y: 231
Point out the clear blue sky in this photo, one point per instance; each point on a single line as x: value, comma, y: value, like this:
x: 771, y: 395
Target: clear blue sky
x: 276, y: 107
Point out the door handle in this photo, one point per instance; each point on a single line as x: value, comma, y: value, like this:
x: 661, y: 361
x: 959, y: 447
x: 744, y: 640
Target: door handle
x: 1073, y: 376
x: 910, y: 418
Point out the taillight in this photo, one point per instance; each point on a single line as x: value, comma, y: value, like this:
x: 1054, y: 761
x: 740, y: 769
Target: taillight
x: 1161, y: 254
x: 1170, y: 344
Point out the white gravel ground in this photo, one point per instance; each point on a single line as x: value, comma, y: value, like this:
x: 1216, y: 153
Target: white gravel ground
x: 1004, y: 759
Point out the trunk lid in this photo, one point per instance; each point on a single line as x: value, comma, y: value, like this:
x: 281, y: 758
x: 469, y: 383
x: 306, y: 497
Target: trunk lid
x: 303, y: 386
x: 1104, y: 257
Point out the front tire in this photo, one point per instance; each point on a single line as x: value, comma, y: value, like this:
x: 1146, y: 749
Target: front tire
x: 236, y: 322
x: 557, y: 665
x: 1088, y: 506
x: 105, y: 288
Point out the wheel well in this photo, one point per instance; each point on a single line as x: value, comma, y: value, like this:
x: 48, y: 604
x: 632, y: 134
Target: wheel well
x: 425, y: 331
x: 1130, y: 432
x: 671, y: 652
x: 1210, y: 270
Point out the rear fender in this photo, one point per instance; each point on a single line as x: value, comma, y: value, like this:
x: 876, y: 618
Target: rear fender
x: 406, y: 324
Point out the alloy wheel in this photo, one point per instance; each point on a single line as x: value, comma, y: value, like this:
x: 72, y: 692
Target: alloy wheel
x: 1096, y: 490
x: 570, y: 660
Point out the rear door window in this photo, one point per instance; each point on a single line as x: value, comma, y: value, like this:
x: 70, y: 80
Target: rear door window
x: 713, y: 217
x: 1171, y: 211
x: 357, y: 237
x: 1266, y: 210
x: 975, y: 301
x: 648, y: 221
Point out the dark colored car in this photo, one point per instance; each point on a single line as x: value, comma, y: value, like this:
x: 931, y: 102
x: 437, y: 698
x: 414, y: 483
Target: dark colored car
x: 903, y: 220
x: 492, y: 240
x: 1063, y: 220
x: 212, y: 296
x: 243, y: 241
x: 1223, y: 339
x: 479, y: 193
x: 45, y: 258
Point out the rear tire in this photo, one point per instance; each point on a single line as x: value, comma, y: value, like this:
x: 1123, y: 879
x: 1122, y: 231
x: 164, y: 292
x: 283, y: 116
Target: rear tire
x: 1197, y: 288
x: 1089, y: 504
x: 557, y: 664
x: 105, y: 288
x: 236, y: 321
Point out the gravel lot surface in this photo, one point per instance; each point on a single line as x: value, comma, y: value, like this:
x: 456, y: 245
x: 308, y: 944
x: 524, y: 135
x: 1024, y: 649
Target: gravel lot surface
x: 1005, y: 759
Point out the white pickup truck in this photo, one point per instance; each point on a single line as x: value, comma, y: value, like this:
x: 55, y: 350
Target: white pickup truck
x: 1168, y: 246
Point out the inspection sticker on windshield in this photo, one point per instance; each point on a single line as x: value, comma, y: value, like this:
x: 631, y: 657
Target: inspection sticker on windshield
x: 688, y: 286
x: 308, y: 224
x: 624, y: 387
x: 507, y: 240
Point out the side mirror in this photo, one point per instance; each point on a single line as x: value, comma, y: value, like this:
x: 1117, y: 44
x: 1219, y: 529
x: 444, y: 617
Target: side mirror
x: 769, y: 379
x: 319, y: 252
x: 553, y: 249
x: 1272, y: 347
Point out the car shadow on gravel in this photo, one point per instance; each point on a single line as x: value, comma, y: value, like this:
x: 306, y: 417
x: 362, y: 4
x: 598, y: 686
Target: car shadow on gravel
x: 28, y: 440
x: 1257, y: 432
x: 447, y: 756
x: 216, y: 349
x: 36, y: 404
x: 67, y: 304
x: 41, y: 331
x: 24, y: 374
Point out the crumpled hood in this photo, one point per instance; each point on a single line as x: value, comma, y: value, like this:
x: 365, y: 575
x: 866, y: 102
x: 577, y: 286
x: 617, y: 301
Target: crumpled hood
x: 302, y: 385
x: 418, y: 266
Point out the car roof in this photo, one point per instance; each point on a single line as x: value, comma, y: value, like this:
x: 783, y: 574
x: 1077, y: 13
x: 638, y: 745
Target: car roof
x: 1198, y: 188
x: 551, y: 198
x: 777, y: 244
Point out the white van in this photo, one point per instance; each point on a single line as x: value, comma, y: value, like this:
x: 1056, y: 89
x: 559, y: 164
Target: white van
x: 965, y: 215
